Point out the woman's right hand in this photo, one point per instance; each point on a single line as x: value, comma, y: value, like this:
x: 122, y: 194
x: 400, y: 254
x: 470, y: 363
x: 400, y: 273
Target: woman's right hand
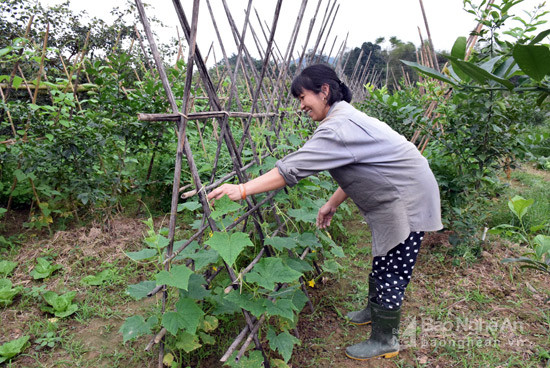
x: 232, y: 191
x: 324, y: 216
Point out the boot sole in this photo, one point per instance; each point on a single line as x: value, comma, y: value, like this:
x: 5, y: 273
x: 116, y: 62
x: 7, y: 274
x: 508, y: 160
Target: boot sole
x: 386, y: 356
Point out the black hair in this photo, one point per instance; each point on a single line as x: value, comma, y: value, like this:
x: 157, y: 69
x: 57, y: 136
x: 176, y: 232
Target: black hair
x: 314, y: 76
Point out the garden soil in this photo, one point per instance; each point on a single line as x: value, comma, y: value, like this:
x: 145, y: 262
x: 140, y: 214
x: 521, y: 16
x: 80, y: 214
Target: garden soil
x: 441, y: 293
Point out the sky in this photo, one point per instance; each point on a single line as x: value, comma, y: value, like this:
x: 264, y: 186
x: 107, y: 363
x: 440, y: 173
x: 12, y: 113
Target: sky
x: 361, y: 20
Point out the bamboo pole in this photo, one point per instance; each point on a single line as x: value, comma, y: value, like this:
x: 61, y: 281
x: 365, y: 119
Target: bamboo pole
x: 329, y: 30
x: 324, y: 21
x: 16, y: 66
x: 279, y: 85
x: 203, y: 115
x: 230, y: 71
x: 431, y: 50
x: 41, y: 70
x: 12, y: 125
x: 25, y: 82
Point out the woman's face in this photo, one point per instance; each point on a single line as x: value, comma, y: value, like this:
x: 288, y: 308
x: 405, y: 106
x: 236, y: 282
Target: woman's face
x: 315, y: 104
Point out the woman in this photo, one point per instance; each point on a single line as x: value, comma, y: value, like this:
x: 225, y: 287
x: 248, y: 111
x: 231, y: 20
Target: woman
x: 387, y: 178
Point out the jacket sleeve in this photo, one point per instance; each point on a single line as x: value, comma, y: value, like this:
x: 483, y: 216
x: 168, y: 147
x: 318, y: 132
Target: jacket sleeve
x: 325, y: 150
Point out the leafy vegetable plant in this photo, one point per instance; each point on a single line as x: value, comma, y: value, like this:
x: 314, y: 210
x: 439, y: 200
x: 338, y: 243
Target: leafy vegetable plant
x: 12, y: 348
x: 539, y: 257
x: 43, y: 269
x: 48, y: 339
x: 59, y: 305
x: 99, y: 278
x: 6, y: 267
x: 7, y: 293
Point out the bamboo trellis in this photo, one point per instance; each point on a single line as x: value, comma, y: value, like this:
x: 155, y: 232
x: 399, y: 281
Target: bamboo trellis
x: 428, y: 58
x: 268, y: 92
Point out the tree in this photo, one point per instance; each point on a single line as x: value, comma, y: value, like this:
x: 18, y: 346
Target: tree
x: 376, y: 61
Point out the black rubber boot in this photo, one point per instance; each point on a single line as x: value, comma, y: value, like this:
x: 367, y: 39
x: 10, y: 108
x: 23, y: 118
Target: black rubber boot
x: 363, y: 317
x: 384, y: 338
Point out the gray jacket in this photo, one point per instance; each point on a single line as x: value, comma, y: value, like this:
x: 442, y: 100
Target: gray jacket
x: 382, y: 172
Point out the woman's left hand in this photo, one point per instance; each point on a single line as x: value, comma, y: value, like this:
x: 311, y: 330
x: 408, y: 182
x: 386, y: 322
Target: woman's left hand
x: 233, y: 192
x: 324, y: 216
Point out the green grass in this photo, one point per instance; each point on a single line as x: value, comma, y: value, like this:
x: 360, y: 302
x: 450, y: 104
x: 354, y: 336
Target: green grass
x: 530, y: 186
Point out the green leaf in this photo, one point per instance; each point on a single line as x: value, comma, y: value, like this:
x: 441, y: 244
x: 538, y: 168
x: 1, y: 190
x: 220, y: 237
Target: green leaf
x: 309, y: 240
x: 187, y: 342
x: 519, y: 206
x: 533, y: 60
x: 280, y: 307
x: 72, y: 308
x: 542, y: 240
x: 207, y: 339
x: 303, y: 214
x: 202, y: 257
x: 337, y: 251
x: 12, y: 348
x: 168, y: 360
x: 136, y: 326
x: 247, y: 302
x: 43, y: 269
x: 229, y: 246
x: 6, y: 267
x: 299, y: 300
x: 61, y: 305
x: 223, y: 206
x: 140, y: 291
x: 189, y: 206
x: 281, y: 243
x: 253, y: 360
x: 178, y: 277
x: 17, y: 81
x: 191, y: 312
x: 543, y: 96
x: 196, y: 288
x: 222, y: 306
x: 541, y: 36
x: 172, y: 321
x: 542, y: 246
x: 534, y: 229
x: 459, y: 48
x: 283, y: 343
x: 186, y: 317
x: 489, y: 65
x: 5, y: 50
x: 269, y: 271
x: 429, y: 72
x: 299, y: 265
x: 157, y: 241
x: 507, y: 68
x: 331, y: 266
x: 142, y: 254
x: 209, y: 324
x: 99, y: 278
x: 7, y: 293
x: 479, y: 74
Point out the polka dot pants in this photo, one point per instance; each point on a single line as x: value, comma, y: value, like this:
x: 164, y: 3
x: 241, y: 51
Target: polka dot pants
x: 393, y: 271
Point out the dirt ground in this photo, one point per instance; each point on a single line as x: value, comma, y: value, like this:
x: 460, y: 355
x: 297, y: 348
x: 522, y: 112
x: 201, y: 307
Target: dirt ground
x: 447, y: 307
x: 477, y: 305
